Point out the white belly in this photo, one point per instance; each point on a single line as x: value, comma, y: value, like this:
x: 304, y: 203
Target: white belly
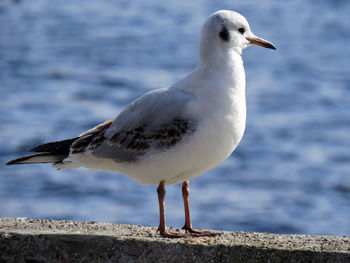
x: 211, y: 144
x: 220, y: 128
x: 215, y: 138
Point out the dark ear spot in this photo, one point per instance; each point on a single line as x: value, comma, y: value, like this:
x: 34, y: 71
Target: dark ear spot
x: 224, y: 34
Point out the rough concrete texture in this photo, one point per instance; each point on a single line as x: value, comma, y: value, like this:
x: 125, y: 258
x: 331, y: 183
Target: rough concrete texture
x: 34, y: 240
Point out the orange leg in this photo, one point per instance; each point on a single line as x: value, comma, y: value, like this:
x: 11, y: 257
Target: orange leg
x: 162, y: 227
x: 188, y: 224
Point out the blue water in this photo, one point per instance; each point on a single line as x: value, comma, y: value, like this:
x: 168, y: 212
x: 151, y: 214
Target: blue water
x: 68, y: 65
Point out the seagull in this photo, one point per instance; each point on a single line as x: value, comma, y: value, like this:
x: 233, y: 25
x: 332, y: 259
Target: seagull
x: 172, y: 135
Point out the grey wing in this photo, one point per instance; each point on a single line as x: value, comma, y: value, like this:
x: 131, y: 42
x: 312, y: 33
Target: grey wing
x: 156, y: 121
x: 91, y: 138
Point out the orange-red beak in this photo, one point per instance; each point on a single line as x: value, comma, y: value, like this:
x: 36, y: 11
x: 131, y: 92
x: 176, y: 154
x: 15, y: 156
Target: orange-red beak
x: 261, y: 42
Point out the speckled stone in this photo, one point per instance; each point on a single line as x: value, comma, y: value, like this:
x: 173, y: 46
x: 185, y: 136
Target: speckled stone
x: 35, y: 240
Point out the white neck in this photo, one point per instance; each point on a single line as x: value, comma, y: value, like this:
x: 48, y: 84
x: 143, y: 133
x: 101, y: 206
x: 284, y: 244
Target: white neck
x: 223, y: 63
x: 219, y: 73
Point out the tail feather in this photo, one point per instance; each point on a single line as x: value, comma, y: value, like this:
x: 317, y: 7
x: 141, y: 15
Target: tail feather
x: 52, y: 152
x: 38, y: 158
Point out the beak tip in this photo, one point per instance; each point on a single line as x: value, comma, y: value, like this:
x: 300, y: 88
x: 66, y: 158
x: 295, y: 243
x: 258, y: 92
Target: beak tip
x: 272, y: 47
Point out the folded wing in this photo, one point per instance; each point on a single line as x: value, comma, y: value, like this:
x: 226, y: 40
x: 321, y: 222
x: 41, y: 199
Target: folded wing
x: 154, y: 122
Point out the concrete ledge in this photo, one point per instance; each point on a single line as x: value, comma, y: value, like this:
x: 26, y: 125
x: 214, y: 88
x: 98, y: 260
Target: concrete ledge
x: 29, y: 240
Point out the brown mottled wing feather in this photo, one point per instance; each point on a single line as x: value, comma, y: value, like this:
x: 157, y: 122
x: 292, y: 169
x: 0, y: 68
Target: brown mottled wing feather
x: 154, y: 122
x: 137, y: 140
x: 127, y: 146
x: 89, y: 139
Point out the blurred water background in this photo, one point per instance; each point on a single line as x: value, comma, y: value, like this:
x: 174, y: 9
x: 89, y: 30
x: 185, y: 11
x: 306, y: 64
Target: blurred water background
x: 66, y: 66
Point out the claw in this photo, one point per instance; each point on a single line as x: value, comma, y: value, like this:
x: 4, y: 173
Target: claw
x: 166, y: 233
x: 199, y: 232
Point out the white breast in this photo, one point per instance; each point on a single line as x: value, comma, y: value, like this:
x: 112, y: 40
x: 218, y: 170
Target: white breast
x: 220, y: 108
x: 221, y: 111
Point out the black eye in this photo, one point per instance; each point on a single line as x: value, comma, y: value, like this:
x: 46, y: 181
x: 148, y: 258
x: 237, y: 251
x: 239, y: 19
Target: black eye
x: 241, y: 30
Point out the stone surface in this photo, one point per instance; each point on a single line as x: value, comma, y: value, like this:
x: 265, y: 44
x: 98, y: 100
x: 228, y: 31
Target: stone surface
x: 35, y: 240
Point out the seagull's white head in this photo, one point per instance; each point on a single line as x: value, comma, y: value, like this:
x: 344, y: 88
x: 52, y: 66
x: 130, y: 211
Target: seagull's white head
x: 226, y: 31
